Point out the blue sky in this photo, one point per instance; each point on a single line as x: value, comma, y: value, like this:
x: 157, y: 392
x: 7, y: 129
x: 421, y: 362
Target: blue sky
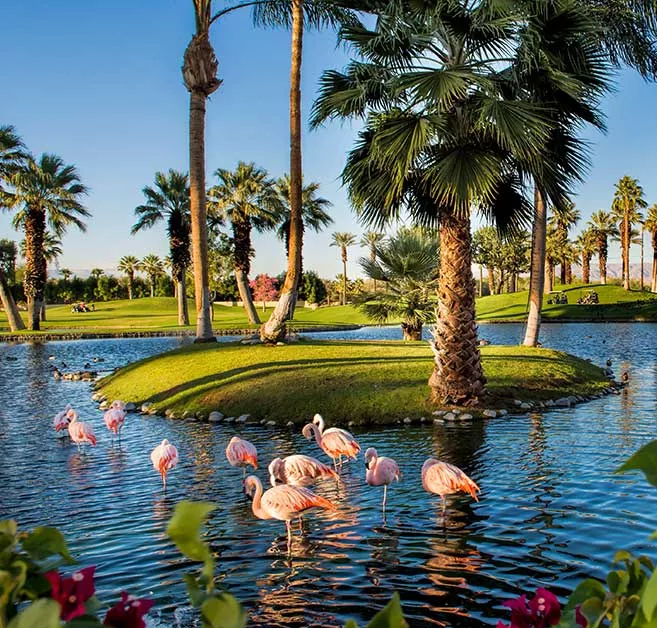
x: 99, y: 83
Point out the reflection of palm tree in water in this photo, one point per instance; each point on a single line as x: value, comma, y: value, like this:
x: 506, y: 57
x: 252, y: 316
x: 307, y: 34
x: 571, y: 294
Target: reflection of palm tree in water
x: 627, y: 417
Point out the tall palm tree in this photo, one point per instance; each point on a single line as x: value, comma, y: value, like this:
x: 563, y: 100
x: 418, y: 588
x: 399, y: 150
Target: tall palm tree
x: 408, y: 264
x: 563, y: 218
x: 628, y: 201
x: 587, y: 245
x: 247, y: 198
x: 129, y: 265
x: 66, y: 273
x: 12, y: 156
x: 153, y: 266
x: 553, y: 246
x: 650, y: 225
x: 44, y: 191
x: 52, y: 250
x: 443, y: 133
x: 169, y: 200
x: 370, y: 240
x: 603, y: 227
x: 343, y: 240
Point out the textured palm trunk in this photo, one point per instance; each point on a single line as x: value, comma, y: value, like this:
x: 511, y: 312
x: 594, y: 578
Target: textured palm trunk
x: 586, y: 268
x: 500, y: 285
x: 275, y: 328
x: 490, y: 273
x: 602, y: 260
x: 344, y: 276
x: 131, y: 279
x: 569, y: 273
x: 152, y: 282
x: 537, y: 271
x: 481, y: 281
x: 513, y: 282
x: 641, y: 272
x: 9, y: 305
x: 653, y: 278
x: 181, y: 290
x: 242, y: 256
x: 35, y: 266
x: 563, y: 272
x: 246, y: 297
x: 412, y: 332
x: 626, y: 250
x: 458, y: 376
x: 549, y: 277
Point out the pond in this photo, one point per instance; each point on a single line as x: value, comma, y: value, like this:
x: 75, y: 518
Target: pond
x: 551, y: 509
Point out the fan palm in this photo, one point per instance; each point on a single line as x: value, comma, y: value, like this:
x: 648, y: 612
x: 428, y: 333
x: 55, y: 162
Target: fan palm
x: 12, y: 156
x: 587, y: 245
x: 650, y: 225
x: 129, y: 265
x: 247, y: 198
x: 370, y: 240
x: 153, y: 266
x: 343, y: 240
x: 563, y: 218
x: 628, y: 201
x: 169, y: 200
x: 44, y: 191
x: 52, y: 250
x: 408, y: 264
x: 603, y: 227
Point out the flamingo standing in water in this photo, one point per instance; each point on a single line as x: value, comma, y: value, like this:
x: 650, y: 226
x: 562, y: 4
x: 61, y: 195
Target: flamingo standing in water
x: 61, y: 420
x: 283, y: 502
x: 334, y: 442
x: 298, y: 470
x: 380, y: 471
x: 164, y: 458
x: 79, y: 431
x: 114, y: 419
x: 445, y: 479
x: 241, y: 453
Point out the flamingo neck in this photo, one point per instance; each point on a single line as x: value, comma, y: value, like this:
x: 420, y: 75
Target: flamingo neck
x: 318, y: 434
x: 256, y: 506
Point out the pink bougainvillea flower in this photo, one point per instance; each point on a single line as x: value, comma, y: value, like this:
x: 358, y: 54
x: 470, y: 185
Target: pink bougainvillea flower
x: 545, y: 607
x: 128, y: 613
x: 580, y: 619
x: 72, y: 593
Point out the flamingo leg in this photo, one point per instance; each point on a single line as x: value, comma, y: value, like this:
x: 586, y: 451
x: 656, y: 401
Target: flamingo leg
x: 335, y: 466
x: 164, y: 481
x: 443, y: 500
x: 288, y: 525
x: 385, y: 488
x: 243, y: 472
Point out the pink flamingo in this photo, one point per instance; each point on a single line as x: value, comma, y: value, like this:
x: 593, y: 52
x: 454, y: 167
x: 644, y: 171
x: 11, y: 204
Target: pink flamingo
x: 445, y: 479
x: 114, y: 419
x: 164, y: 458
x: 380, y: 471
x: 241, y: 453
x: 61, y: 420
x: 298, y: 470
x: 283, y: 502
x: 79, y: 431
x: 334, y: 442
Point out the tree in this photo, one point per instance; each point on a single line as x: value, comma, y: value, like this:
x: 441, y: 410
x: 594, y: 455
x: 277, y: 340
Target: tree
x: 66, y: 273
x: 650, y: 225
x: 515, y: 256
x: 563, y: 218
x: 248, y: 199
x: 169, y: 200
x: 370, y: 240
x: 553, y: 246
x: 313, y: 288
x: 486, y: 251
x: 129, y: 265
x: 587, y: 245
x: 153, y: 266
x: 44, y: 190
x: 408, y: 264
x: 343, y: 240
x: 52, y: 250
x: 264, y: 288
x: 603, y: 227
x: 628, y: 201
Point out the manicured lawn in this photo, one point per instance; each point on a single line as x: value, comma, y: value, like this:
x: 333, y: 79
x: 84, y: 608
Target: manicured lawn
x: 364, y: 382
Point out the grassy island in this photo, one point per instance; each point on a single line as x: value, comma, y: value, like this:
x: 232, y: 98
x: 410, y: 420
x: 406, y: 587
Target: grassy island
x: 364, y: 382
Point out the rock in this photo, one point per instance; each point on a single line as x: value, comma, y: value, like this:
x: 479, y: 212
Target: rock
x: 438, y: 412
x: 271, y: 423
x: 242, y: 418
x: 103, y: 405
x: 517, y: 402
x: 449, y: 416
x: 215, y: 417
x: 350, y: 424
x: 438, y: 421
x: 280, y: 344
x: 200, y: 416
x: 289, y: 424
x: 549, y: 403
x: 456, y: 411
x: 483, y: 342
x: 502, y: 412
x: 465, y: 417
x: 96, y: 397
x: 572, y: 399
x: 563, y: 402
x: 146, y: 407
x: 525, y: 406
x: 229, y: 419
x: 407, y: 420
x: 250, y: 341
x: 186, y: 415
x: 490, y: 414
x: 263, y: 421
x: 169, y: 413
x: 422, y: 419
x: 130, y: 407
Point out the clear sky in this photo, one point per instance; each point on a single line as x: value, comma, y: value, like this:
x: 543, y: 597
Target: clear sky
x: 99, y: 83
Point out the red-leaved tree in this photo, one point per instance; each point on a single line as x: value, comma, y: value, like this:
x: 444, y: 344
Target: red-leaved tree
x: 264, y: 288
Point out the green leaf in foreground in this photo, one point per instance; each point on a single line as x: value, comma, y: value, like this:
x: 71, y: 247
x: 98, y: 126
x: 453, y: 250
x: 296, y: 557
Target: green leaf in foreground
x: 644, y: 460
x: 223, y: 611
x: 45, y: 542
x: 42, y: 613
x: 184, y: 530
x: 391, y: 616
x: 649, y: 597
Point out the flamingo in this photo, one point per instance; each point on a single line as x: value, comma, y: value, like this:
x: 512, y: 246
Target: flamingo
x: 164, y: 458
x: 114, y: 419
x: 380, y: 471
x: 298, y: 470
x: 79, y: 431
x: 240, y: 453
x: 61, y: 420
x: 334, y: 442
x: 445, y: 479
x: 283, y: 502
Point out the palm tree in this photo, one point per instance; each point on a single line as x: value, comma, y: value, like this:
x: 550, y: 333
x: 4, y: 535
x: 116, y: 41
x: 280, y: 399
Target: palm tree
x: 408, y: 264
x: 153, y: 266
x: 628, y: 200
x: 66, y: 273
x: 169, y: 200
x: 248, y: 199
x: 52, y: 250
x: 587, y: 245
x: 553, y: 246
x: 603, y: 227
x: 129, y: 265
x: 45, y: 190
x: 370, y: 240
x: 96, y: 273
x: 343, y: 240
x: 563, y: 218
x: 650, y: 225
x: 12, y: 156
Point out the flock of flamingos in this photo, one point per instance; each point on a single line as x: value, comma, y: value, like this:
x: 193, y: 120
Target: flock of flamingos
x: 288, y: 498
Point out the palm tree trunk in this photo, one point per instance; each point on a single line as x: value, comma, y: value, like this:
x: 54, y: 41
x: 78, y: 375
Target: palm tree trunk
x: 626, y: 250
x: 458, y: 376
x: 549, y: 277
x: 537, y: 271
x: 199, y: 228
x: 500, y: 284
x: 274, y: 329
x: 563, y: 273
x: 653, y: 282
x: 412, y: 332
x: 344, y: 277
x: 641, y: 275
x: 130, y: 281
x: 9, y: 305
x: 513, y: 284
x: 490, y: 272
x: 183, y: 313
x: 602, y: 261
x: 152, y: 286
x: 35, y: 265
x: 245, y: 294
x: 43, y: 309
x: 569, y: 273
x: 586, y: 269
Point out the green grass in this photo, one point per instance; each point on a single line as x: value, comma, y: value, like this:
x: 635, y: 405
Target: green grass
x: 365, y: 382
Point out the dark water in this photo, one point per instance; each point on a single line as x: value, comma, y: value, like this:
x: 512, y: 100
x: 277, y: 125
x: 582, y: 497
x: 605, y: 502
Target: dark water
x: 551, y: 510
